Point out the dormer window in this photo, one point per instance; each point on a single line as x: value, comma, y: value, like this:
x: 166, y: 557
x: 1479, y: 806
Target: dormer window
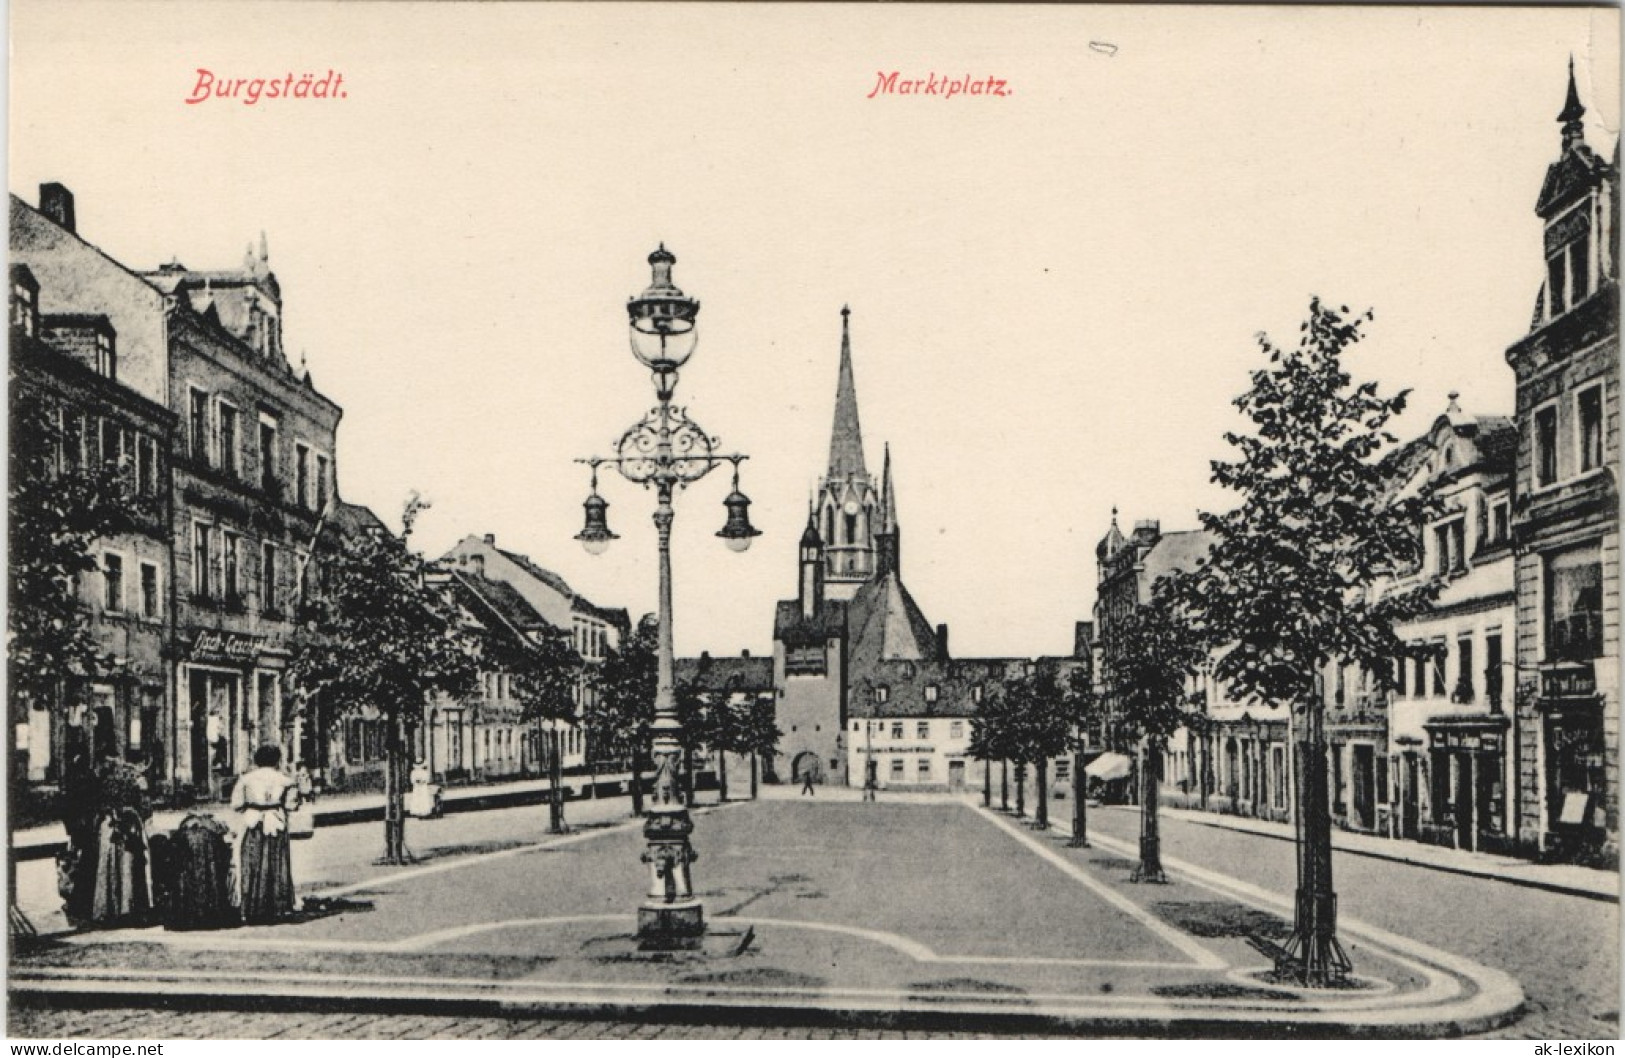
x: 1568, y: 261
x: 1450, y: 546
x: 882, y: 693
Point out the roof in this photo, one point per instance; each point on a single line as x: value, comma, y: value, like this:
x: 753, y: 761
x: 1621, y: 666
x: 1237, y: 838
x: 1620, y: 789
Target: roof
x: 846, y: 439
x: 1176, y: 552
x: 706, y: 673
x: 911, y: 685
x: 885, y: 623
x: 792, y: 629
x: 503, y: 600
x: 578, y: 603
x: 355, y: 518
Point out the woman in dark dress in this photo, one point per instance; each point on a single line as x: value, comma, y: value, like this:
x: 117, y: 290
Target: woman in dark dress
x: 264, y: 797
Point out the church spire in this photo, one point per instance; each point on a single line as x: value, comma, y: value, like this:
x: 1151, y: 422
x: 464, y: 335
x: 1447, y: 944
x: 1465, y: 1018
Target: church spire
x: 888, y: 502
x: 846, y: 440
x: 888, y: 543
x: 1573, y: 115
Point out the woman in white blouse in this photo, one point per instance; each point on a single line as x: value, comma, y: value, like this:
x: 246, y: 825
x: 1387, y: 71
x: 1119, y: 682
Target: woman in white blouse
x: 265, y: 796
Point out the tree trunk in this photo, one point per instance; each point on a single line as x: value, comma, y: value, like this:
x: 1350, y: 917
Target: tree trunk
x: 1041, y: 819
x: 753, y: 764
x: 1080, y: 810
x: 637, y: 783
x: 1150, y: 868
x: 722, y: 774
x: 395, y: 793
x: 555, y: 782
x: 1313, y: 956
x: 1004, y: 785
x: 1021, y: 789
x: 987, y: 784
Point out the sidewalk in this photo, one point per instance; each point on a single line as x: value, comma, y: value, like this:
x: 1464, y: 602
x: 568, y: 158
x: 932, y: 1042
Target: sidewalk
x: 1564, y: 878
x: 44, y: 842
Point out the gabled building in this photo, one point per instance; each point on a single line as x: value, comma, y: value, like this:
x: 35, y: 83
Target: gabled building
x: 1565, y: 515
x: 67, y: 364
x: 594, y: 630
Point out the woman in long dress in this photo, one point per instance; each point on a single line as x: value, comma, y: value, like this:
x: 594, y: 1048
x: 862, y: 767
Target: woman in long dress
x: 265, y: 796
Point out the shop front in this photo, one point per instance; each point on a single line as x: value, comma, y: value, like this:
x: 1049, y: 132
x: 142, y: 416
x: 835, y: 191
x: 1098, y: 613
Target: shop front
x: 1576, y: 817
x: 229, y: 686
x: 1468, y: 761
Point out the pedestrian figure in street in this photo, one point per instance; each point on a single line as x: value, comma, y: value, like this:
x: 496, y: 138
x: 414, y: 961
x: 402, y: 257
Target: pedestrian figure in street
x: 807, y: 784
x: 265, y: 797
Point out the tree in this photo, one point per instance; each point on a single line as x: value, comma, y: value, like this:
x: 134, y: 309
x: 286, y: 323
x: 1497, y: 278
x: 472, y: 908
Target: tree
x: 621, y: 709
x: 1081, y: 707
x: 1290, y: 583
x: 382, y: 640
x: 1041, y: 724
x: 759, y: 734
x: 991, y: 737
x: 546, y: 675
x: 57, y: 509
x: 1150, y: 654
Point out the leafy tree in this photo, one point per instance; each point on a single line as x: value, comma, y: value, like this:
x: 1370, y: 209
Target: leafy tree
x: 1042, y: 726
x: 1082, y: 708
x: 546, y: 675
x: 57, y: 509
x: 1150, y: 655
x: 383, y: 639
x: 758, y: 733
x: 621, y: 711
x: 1290, y: 584
x: 992, y: 738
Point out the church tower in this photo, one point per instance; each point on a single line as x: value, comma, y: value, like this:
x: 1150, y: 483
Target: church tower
x: 848, y: 507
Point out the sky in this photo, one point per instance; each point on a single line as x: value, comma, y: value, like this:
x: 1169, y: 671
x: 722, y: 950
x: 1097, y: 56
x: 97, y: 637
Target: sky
x: 1055, y: 292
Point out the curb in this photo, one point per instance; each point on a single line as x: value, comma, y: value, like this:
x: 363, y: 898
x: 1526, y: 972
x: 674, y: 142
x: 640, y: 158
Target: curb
x: 1200, y: 819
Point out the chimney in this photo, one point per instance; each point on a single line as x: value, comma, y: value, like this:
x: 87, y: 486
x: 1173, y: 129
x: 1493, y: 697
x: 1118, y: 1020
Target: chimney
x: 744, y: 653
x: 1148, y: 531
x: 56, y: 202
x: 491, y: 538
x: 942, y: 642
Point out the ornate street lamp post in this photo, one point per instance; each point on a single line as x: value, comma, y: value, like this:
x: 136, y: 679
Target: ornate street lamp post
x: 667, y: 450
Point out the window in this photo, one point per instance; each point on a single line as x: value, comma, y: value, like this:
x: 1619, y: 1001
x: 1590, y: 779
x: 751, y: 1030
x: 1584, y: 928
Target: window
x: 1464, y: 670
x: 228, y: 438
x: 922, y: 730
x: 22, y: 308
x: 199, y: 427
x: 1579, y: 269
x: 1419, y: 682
x: 1546, y: 446
x: 202, y: 559
x: 112, y: 442
x: 1440, y: 657
x: 73, y: 426
x: 113, y: 574
x: 321, y: 483
x: 897, y: 730
x: 1063, y: 768
x: 1498, y: 522
x: 930, y: 692
x: 882, y: 693
x: 924, y: 769
x: 1574, y: 605
x: 106, y: 360
x: 229, y: 553
x: 1492, y: 670
x: 1589, y: 406
x: 1450, y: 546
x: 146, y: 466
x: 301, y: 474
x: 956, y: 729
x: 897, y: 767
x: 268, y: 597
x: 149, y: 590
x: 1556, y: 288
x: 976, y: 693
x: 268, y: 480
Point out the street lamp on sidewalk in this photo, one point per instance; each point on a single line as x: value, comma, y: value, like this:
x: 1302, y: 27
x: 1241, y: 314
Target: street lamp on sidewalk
x: 667, y: 450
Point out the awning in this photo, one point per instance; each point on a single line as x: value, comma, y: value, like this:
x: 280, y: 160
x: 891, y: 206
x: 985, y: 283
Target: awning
x: 1108, y: 766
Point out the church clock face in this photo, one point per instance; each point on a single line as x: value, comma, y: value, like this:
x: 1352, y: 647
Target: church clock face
x: 851, y: 507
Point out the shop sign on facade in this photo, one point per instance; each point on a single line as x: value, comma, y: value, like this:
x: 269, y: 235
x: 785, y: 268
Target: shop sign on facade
x: 231, y: 646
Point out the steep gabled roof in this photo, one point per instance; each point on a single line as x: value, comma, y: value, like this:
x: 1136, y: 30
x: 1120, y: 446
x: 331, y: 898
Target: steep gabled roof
x: 885, y: 623
x: 846, y: 438
x: 578, y: 603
